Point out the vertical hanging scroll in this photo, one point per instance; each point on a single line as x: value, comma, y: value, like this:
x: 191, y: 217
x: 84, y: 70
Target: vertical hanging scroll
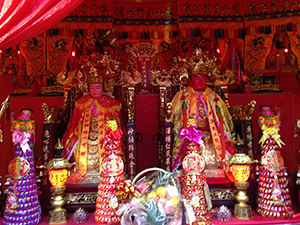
x: 248, y: 136
x: 165, y: 130
x: 131, y: 156
x: 143, y: 65
x: 47, y: 143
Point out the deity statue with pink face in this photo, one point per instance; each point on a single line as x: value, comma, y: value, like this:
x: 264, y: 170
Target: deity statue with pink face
x: 212, y: 117
x: 86, y: 127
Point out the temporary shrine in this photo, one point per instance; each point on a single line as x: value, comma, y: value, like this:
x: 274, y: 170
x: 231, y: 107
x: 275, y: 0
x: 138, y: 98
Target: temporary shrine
x: 149, y: 112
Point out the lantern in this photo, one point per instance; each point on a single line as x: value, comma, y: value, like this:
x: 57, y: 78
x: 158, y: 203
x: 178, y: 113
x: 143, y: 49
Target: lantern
x: 58, y: 177
x: 241, y: 172
x: 240, y: 167
x: 58, y: 174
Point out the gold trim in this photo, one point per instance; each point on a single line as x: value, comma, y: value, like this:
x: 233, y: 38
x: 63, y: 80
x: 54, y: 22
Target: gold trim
x: 223, y: 194
x: 266, y: 87
x: 50, y: 89
x: 22, y: 91
x: 80, y: 198
x: 100, y: 108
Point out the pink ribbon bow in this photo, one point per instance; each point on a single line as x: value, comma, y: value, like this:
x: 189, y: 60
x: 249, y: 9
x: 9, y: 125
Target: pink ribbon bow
x: 191, y: 134
x: 21, y: 137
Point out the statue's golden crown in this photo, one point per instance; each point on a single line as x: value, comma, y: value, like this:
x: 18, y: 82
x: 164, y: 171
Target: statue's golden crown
x: 94, y: 75
x: 195, y: 64
x: 196, y: 68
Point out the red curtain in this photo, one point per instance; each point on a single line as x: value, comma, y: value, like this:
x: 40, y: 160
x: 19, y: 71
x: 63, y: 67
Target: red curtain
x: 23, y: 19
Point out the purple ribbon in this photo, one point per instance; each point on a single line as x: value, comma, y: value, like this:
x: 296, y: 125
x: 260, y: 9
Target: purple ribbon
x: 191, y: 134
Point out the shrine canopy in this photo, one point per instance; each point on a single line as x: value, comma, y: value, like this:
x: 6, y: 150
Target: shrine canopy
x: 21, y: 19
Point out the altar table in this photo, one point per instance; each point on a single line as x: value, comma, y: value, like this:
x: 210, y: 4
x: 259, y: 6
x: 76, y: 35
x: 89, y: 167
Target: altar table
x: 257, y: 220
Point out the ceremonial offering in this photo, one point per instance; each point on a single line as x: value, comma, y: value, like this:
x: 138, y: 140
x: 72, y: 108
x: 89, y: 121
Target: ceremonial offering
x: 111, y: 189
x: 223, y: 213
x: 79, y: 216
x: 22, y: 203
x: 159, y: 200
x: 273, y: 199
x: 193, y: 185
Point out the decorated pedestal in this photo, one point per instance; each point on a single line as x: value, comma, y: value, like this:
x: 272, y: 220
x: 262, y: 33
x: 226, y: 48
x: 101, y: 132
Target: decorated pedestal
x: 111, y: 183
x: 22, y: 204
x: 273, y: 199
x: 193, y: 183
x: 193, y: 186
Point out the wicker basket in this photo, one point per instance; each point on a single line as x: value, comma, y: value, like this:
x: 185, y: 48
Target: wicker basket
x: 136, y: 211
x: 154, y: 169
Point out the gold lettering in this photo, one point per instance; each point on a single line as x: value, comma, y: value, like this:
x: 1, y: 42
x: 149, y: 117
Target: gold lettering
x: 168, y: 138
x: 47, y: 134
x: 131, y: 140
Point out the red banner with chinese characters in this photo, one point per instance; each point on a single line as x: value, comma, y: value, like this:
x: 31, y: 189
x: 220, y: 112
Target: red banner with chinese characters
x: 159, y: 20
x: 88, y: 16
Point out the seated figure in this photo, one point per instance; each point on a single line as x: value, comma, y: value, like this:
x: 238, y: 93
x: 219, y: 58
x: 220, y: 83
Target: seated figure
x: 86, y: 128
x: 202, y: 103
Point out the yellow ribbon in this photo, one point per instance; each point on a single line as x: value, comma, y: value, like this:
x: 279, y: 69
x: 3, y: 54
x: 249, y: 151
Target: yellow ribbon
x: 270, y: 132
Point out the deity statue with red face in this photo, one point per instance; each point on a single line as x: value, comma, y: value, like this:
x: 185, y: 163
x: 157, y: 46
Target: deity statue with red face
x: 86, y: 128
x: 203, y: 104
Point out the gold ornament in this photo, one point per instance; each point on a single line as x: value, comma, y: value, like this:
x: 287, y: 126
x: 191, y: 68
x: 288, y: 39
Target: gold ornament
x: 197, y: 68
x: 58, y: 145
x: 94, y: 75
x: 191, y: 121
x: 112, y: 124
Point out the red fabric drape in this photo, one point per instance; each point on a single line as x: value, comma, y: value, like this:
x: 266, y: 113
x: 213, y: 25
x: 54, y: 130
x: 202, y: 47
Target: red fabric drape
x: 23, y: 19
